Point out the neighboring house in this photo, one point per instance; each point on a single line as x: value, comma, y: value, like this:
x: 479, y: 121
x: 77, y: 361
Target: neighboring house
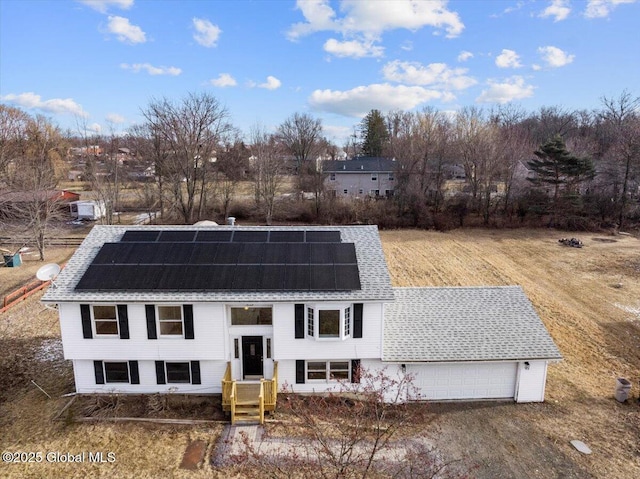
x: 87, y: 210
x: 361, y: 176
x: 210, y: 309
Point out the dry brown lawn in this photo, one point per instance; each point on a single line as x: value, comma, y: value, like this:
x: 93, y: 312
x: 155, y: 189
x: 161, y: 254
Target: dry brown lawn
x: 588, y: 298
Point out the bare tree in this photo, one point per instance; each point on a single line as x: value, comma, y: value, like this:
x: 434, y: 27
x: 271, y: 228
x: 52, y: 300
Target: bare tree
x: 267, y: 169
x: 33, y: 176
x: 231, y: 167
x: 190, y: 131
x: 622, y: 118
x: 300, y: 134
x: 13, y: 126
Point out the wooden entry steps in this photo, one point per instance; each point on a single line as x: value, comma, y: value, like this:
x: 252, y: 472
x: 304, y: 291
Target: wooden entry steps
x: 247, y: 401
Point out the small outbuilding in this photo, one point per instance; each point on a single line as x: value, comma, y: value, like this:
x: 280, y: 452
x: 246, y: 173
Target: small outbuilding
x: 87, y: 210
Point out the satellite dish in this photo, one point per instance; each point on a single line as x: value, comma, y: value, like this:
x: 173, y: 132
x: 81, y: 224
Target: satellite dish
x: 48, y: 272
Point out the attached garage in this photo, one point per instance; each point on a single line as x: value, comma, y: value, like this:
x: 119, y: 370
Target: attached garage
x: 469, y: 343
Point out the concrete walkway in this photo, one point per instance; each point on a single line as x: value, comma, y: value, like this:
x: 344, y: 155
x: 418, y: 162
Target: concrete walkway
x: 235, y: 441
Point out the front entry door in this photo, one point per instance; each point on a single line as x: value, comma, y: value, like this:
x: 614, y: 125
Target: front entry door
x: 252, y: 357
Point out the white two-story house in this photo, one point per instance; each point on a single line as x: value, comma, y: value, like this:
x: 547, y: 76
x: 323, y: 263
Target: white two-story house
x: 189, y: 309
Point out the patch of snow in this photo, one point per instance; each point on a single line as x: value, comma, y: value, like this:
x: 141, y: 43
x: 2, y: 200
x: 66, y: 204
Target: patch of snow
x: 50, y: 351
x: 629, y: 309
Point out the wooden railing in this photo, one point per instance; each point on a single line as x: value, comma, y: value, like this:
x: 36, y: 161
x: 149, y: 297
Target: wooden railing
x: 252, y: 398
x: 228, y: 385
x: 271, y: 389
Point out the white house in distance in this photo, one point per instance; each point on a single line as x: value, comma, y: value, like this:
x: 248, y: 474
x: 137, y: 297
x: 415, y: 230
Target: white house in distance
x: 189, y: 309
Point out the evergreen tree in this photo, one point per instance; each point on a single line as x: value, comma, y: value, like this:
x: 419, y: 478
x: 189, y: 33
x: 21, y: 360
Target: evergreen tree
x: 557, y: 167
x: 375, y: 134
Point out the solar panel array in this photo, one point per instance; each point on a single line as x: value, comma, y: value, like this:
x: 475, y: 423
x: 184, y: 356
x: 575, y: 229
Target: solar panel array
x: 232, y: 260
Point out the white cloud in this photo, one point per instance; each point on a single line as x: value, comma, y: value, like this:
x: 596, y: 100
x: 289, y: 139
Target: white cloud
x: 103, y: 5
x: 223, y: 80
x: 95, y: 128
x: 338, y: 134
x: 207, y: 33
x: 407, y: 46
x: 115, y: 118
x: 554, y: 57
x: 602, y: 8
x: 124, y: 31
x: 558, y: 9
x: 464, y: 56
x: 508, y: 59
x: 513, y: 88
x: 272, y: 83
x: 358, y: 101
x: 352, y: 48
x: 30, y: 100
x: 438, y: 75
x: 150, y: 69
x: 374, y: 18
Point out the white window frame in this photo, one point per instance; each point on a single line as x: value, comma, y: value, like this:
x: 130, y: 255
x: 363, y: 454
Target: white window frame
x: 104, y: 372
x: 332, y: 177
x: 159, y: 321
x: 94, y: 321
x: 328, y: 376
x: 312, y: 321
x: 374, y: 176
x: 391, y: 177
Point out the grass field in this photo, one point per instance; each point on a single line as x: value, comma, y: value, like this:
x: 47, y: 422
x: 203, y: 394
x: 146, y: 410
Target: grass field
x: 588, y: 298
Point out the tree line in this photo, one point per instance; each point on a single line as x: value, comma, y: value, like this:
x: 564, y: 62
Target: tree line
x: 573, y: 169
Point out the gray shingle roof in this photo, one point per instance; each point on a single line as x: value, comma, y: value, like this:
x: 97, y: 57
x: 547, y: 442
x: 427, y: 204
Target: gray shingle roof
x: 362, y: 164
x: 464, y: 324
x: 374, y: 275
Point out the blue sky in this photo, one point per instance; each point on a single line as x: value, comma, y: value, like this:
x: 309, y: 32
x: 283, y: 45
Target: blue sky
x: 99, y: 62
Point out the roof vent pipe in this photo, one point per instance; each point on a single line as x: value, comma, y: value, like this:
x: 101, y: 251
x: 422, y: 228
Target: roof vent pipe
x: 231, y: 221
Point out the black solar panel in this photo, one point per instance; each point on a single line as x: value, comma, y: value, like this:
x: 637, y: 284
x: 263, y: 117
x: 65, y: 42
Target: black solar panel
x: 136, y: 235
x: 175, y: 236
x: 251, y: 253
x: 204, y: 253
x: 233, y: 260
x: 296, y: 278
x: 286, y: 237
x: 250, y: 236
x: 214, y: 236
x: 323, y: 236
x: 323, y: 278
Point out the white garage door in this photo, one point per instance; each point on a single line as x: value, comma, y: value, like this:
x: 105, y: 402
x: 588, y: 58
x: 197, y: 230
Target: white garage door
x: 465, y: 381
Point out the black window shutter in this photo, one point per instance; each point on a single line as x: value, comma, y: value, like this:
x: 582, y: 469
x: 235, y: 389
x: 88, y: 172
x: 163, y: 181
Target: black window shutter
x: 123, y: 321
x: 150, y: 309
x: 188, y: 321
x: 97, y: 367
x: 355, y: 370
x: 299, y: 371
x: 195, y: 372
x: 134, y: 374
x: 299, y: 321
x: 160, y: 378
x: 85, y: 314
x: 357, y: 320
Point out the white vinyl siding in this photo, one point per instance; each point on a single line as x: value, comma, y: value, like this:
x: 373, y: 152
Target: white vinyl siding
x: 210, y: 343
x: 211, y: 373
